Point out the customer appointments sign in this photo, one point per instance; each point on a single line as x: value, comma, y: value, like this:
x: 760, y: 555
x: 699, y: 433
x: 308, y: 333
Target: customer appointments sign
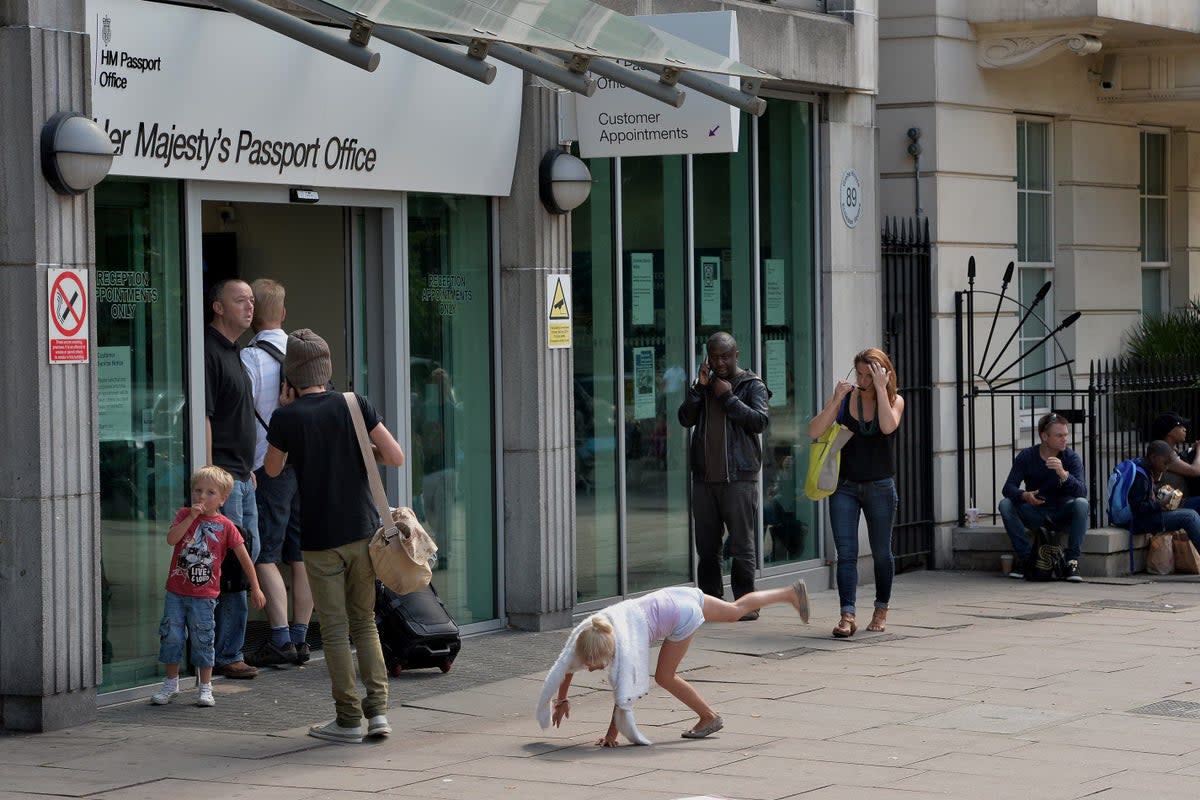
x: 67, y: 310
x: 617, y: 121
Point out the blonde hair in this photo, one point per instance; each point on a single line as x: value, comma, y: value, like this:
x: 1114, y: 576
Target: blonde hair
x: 873, y: 355
x: 596, y: 644
x: 216, y: 476
x: 268, y: 301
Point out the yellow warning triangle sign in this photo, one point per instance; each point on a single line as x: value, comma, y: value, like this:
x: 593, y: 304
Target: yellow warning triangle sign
x: 558, y: 308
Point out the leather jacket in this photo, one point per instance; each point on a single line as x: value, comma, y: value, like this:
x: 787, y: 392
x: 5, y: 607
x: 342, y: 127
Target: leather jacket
x: 745, y: 418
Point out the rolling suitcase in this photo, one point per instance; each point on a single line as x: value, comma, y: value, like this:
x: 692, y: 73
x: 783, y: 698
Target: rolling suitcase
x: 414, y: 630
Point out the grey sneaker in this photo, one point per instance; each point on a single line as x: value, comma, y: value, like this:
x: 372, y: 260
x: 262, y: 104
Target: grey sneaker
x: 302, y: 654
x: 377, y: 726
x: 333, y: 732
x: 168, y: 692
x: 206, y: 699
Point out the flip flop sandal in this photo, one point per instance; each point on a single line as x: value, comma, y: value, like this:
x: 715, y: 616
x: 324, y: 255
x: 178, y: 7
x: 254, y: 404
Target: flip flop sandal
x: 878, y: 621
x: 802, y: 595
x: 845, y: 628
x: 707, y: 730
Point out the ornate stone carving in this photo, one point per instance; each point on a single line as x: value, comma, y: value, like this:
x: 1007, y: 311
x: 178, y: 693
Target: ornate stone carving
x: 1023, y: 51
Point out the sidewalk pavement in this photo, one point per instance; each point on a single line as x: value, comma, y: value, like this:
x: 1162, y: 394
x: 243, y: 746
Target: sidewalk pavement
x: 982, y: 687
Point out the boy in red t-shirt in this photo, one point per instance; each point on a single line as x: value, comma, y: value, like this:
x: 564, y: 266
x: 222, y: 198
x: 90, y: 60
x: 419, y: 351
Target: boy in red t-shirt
x: 200, y: 536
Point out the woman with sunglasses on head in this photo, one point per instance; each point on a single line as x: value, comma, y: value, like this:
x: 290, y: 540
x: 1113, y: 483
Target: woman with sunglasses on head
x: 871, y: 409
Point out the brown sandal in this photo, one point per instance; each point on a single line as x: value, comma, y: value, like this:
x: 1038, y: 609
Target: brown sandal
x: 846, y: 627
x: 878, y: 621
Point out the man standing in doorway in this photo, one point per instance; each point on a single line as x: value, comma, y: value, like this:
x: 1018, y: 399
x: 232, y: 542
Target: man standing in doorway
x: 229, y: 444
x: 726, y: 408
x: 278, y: 498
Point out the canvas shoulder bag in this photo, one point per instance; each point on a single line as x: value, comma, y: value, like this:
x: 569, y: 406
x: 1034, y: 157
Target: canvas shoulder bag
x: 400, y: 549
x: 825, y: 460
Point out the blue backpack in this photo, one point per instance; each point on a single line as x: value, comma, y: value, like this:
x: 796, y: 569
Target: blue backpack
x: 1119, y: 484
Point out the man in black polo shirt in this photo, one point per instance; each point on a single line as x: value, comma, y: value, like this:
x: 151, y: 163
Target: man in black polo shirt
x: 229, y: 441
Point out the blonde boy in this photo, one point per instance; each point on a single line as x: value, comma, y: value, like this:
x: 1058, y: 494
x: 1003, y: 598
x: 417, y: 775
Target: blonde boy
x: 200, y: 536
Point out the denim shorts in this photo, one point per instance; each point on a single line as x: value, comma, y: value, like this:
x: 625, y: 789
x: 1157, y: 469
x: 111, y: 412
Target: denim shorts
x: 184, y: 618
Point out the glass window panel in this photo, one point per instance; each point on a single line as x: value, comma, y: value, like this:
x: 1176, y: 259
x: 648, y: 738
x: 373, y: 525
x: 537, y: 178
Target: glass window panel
x: 655, y: 351
x: 1153, y: 292
x: 1154, y: 163
x: 1031, y: 280
x: 1038, y: 245
x: 1154, y: 227
x: 593, y: 328
x: 452, y: 453
x: 1022, y: 227
x: 786, y: 240
x: 1037, y: 155
x: 143, y: 413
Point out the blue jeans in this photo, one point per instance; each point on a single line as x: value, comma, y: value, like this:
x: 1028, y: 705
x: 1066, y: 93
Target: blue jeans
x: 877, y: 501
x: 1184, y: 518
x: 1071, y: 516
x: 231, y: 606
x: 184, y: 617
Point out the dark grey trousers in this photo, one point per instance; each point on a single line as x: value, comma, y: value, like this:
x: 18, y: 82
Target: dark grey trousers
x: 717, y: 507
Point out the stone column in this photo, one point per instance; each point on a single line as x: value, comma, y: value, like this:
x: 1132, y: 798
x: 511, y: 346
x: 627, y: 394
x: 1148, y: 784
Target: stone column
x: 538, y: 411
x: 49, y: 482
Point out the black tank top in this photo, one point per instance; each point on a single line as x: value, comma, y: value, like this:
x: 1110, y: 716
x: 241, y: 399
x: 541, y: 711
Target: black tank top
x: 867, y: 456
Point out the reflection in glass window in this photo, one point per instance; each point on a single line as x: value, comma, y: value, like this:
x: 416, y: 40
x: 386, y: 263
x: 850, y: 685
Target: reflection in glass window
x: 450, y: 368
x: 143, y: 414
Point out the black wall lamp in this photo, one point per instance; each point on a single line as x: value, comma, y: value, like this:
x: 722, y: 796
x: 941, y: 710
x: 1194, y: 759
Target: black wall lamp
x: 564, y: 182
x: 76, y: 153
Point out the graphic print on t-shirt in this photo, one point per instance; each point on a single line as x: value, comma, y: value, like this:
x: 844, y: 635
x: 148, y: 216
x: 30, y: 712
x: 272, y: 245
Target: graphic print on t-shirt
x: 195, y: 555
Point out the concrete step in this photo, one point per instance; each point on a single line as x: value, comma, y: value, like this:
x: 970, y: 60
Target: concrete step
x: 1105, y: 551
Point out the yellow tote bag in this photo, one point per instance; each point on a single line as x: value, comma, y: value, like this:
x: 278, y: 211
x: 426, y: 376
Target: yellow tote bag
x: 824, y: 461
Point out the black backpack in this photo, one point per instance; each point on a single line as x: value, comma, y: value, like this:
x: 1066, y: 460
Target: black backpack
x: 1046, y: 558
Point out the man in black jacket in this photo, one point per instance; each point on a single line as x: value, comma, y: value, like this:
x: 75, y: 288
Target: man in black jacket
x: 726, y: 408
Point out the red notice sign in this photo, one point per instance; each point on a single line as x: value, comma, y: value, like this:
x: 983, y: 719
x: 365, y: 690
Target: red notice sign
x: 67, y: 309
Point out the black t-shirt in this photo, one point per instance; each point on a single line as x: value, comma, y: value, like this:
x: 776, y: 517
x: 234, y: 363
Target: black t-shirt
x: 317, y: 434
x: 229, y: 405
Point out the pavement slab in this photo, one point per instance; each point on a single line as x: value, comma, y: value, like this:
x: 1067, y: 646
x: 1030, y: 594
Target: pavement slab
x: 981, y: 688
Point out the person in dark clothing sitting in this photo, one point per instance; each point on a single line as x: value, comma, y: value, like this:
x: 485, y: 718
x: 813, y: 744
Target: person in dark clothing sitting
x: 1055, y: 495
x: 1155, y: 514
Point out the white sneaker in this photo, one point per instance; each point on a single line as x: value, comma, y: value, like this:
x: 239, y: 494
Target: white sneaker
x: 206, y: 699
x: 333, y: 732
x: 168, y: 692
x: 378, y: 726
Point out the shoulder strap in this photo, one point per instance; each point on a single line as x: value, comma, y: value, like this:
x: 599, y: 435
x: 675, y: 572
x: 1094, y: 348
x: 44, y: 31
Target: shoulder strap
x: 275, y: 352
x: 364, y: 445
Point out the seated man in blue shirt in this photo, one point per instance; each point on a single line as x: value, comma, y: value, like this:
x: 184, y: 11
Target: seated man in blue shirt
x: 1054, y: 495
x: 1152, y: 514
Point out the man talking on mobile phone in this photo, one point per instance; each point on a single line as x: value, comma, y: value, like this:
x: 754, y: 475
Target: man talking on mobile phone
x: 726, y: 408
x: 1054, y: 495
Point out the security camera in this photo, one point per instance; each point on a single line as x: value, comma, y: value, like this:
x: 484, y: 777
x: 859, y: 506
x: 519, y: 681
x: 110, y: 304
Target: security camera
x: 227, y: 215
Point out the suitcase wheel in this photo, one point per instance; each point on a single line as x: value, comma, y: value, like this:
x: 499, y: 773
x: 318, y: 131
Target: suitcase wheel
x: 445, y: 666
x: 397, y: 669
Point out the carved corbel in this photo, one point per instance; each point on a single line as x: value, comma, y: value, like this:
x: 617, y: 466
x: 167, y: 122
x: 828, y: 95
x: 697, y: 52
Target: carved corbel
x: 1028, y: 50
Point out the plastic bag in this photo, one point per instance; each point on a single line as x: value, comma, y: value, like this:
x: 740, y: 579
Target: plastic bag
x: 825, y: 461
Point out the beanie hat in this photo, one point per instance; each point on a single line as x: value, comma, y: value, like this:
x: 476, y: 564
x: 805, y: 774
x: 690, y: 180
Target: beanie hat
x: 307, y: 360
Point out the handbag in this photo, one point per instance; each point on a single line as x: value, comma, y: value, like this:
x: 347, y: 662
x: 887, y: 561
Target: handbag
x: 233, y: 579
x: 400, y: 549
x: 825, y: 461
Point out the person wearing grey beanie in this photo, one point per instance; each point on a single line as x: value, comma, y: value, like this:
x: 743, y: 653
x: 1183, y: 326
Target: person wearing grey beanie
x: 312, y: 430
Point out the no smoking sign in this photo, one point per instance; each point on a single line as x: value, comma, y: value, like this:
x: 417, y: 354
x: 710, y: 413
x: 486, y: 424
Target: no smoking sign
x: 67, y: 309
